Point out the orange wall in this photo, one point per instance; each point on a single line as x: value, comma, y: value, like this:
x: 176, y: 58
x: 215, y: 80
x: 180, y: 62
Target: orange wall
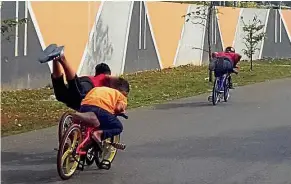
x: 68, y: 24
x: 287, y: 17
x: 167, y: 24
x: 228, y: 18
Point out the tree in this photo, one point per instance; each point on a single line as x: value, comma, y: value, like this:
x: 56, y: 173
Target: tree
x: 253, y: 36
x: 200, y: 16
x: 8, y: 25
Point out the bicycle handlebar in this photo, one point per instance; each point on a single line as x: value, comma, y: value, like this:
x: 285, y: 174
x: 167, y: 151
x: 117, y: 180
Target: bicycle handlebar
x: 122, y: 115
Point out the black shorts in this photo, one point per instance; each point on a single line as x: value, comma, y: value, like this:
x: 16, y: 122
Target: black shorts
x: 73, y: 93
x: 109, y: 123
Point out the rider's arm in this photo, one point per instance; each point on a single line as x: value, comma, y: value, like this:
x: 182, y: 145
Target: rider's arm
x: 238, y: 57
x: 121, y: 105
x: 214, y: 54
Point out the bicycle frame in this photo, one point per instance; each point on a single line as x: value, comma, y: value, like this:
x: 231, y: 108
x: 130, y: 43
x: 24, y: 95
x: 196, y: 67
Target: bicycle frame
x: 221, y: 82
x: 88, y: 131
x: 87, y: 138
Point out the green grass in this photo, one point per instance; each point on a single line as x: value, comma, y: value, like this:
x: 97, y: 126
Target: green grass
x: 25, y: 110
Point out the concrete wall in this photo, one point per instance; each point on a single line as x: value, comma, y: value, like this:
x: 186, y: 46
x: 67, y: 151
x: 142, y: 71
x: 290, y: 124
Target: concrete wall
x: 128, y: 36
x: 108, y: 38
x: 19, y: 66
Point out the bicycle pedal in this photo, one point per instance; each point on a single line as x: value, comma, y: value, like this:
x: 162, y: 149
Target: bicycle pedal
x: 56, y: 149
x: 81, y: 164
x: 119, y: 146
x: 105, y: 164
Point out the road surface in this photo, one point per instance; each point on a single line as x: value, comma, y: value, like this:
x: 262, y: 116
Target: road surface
x: 247, y: 140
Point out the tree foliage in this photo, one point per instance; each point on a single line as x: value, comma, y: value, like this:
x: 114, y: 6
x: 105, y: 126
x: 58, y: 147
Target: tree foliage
x: 203, y: 15
x: 253, y: 36
x: 8, y: 25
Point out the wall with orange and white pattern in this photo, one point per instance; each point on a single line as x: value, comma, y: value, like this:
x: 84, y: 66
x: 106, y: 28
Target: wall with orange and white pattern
x: 129, y: 36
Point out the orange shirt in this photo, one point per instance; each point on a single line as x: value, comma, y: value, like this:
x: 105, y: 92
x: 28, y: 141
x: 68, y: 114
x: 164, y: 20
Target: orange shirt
x: 105, y: 98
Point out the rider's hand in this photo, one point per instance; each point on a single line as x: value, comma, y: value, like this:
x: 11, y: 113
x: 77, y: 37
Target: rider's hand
x: 120, y: 108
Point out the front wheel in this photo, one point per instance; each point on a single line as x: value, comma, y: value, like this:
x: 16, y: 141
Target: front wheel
x: 215, y: 95
x: 108, y: 151
x: 67, y: 159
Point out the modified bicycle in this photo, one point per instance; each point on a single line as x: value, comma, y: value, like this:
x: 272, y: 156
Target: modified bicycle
x: 220, y: 89
x: 77, y: 149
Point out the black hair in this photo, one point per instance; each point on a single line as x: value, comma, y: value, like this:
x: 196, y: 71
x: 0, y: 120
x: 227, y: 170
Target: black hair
x: 102, y: 68
x: 229, y: 49
x: 121, y: 85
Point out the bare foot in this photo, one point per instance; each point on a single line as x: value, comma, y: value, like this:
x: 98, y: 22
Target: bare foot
x: 97, y: 135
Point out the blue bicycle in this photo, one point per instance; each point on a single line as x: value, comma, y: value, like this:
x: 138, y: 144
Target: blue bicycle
x: 220, y: 89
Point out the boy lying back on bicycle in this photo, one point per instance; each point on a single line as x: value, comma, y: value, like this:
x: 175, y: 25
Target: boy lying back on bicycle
x: 105, y: 102
x: 77, y: 87
x: 225, y: 62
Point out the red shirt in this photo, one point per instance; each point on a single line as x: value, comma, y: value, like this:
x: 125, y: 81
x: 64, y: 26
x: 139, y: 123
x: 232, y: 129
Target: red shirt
x: 99, y: 80
x: 234, y: 57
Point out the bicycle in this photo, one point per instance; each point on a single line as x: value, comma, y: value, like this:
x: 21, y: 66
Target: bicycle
x: 77, y: 144
x: 220, y: 89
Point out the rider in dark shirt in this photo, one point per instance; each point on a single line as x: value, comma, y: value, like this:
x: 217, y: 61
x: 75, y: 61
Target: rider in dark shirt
x: 77, y: 87
x: 230, y: 58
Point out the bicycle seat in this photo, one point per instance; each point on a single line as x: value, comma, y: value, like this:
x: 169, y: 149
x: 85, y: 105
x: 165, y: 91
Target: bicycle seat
x: 88, y: 118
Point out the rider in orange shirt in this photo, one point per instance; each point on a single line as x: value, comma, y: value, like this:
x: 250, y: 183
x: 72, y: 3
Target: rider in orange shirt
x: 106, y: 102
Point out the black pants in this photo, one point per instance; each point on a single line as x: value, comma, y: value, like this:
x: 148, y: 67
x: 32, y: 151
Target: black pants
x: 73, y: 93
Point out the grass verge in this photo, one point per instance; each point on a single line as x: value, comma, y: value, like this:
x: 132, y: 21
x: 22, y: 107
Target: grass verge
x: 25, y: 110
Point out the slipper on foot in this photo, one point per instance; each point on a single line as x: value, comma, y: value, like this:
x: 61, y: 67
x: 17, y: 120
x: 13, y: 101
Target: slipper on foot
x: 44, y: 55
x: 50, y: 53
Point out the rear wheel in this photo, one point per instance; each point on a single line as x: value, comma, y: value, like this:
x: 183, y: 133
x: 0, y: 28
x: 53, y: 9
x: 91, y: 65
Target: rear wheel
x: 67, y: 159
x: 215, y: 95
x: 64, y: 124
x: 226, y: 90
x: 109, y: 152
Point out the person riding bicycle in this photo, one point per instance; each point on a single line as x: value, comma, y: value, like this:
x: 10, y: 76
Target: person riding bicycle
x: 77, y: 87
x: 225, y: 62
x: 105, y: 103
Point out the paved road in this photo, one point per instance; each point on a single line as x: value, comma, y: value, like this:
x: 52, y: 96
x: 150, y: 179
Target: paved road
x: 247, y: 140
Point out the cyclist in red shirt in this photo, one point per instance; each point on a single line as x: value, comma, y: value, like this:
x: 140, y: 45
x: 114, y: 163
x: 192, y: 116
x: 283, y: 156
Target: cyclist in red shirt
x: 77, y: 87
x: 230, y: 60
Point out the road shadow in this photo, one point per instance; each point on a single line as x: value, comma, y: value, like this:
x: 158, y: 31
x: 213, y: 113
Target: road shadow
x: 268, y: 145
x: 28, y: 168
x: 38, y: 168
x: 183, y: 105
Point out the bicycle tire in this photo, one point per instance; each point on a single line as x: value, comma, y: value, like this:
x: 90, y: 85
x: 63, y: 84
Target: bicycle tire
x: 62, y: 152
x: 214, y: 92
x: 62, y: 121
x: 226, y: 90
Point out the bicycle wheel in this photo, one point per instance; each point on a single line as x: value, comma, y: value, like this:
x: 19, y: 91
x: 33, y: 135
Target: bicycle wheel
x: 109, y: 152
x: 64, y: 123
x: 67, y: 160
x: 226, y: 90
x: 215, y: 95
